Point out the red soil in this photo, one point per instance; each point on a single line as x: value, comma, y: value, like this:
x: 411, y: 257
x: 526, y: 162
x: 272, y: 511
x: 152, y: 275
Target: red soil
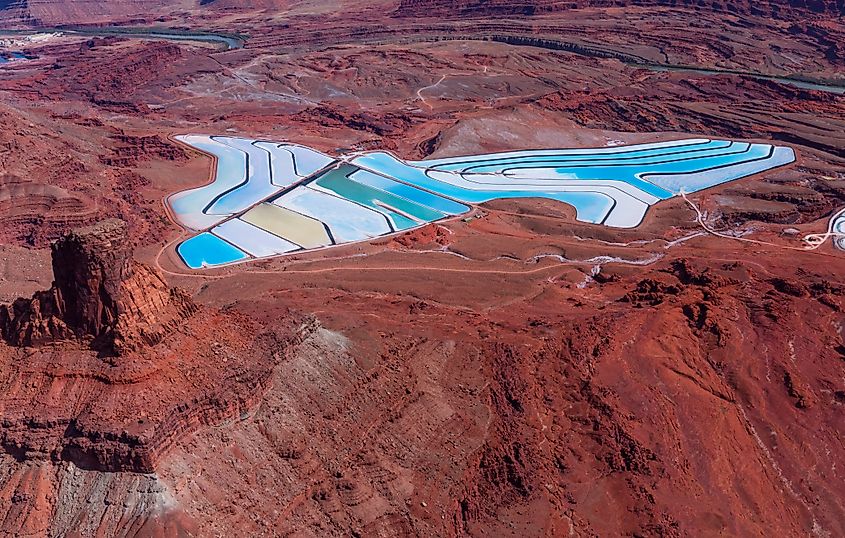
x: 460, y: 379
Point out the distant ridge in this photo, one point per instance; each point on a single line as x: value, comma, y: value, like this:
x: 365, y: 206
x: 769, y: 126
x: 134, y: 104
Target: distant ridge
x: 784, y: 9
x: 59, y: 12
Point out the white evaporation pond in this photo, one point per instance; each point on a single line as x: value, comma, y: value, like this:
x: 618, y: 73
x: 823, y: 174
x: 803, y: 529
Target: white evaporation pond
x: 191, y: 207
x: 346, y: 220
x: 257, y: 187
x: 307, y: 160
x: 283, y: 172
x: 290, y: 163
x: 252, y: 239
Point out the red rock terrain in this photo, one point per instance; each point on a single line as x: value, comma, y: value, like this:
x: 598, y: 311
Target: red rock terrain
x: 776, y: 8
x: 121, y: 394
x: 511, y: 373
x: 98, y: 292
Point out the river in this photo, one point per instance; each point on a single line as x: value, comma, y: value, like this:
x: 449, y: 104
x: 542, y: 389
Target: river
x: 783, y: 80
x: 227, y: 41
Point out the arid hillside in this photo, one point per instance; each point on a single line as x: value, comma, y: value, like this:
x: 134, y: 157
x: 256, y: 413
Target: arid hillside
x: 768, y: 8
x: 507, y: 372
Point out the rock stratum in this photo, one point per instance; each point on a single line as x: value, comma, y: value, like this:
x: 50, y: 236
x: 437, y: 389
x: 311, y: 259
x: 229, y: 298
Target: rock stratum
x: 99, y: 293
x: 49, y: 12
x: 483, y: 8
x: 55, y: 12
x: 97, y: 337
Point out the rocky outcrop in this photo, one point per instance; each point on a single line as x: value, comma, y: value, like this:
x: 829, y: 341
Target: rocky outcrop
x: 30, y: 210
x: 123, y: 413
x: 35, y: 320
x: 130, y: 150
x: 126, y: 415
x: 99, y: 294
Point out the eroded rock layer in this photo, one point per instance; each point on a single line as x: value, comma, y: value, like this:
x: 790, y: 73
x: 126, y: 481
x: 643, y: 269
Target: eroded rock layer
x: 125, y: 416
x: 773, y: 8
x: 99, y: 293
x: 50, y: 12
x: 123, y: 411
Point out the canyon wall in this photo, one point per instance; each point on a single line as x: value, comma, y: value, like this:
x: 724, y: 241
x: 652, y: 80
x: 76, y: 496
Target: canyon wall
x: 99, y: 293
x: 110, y: 367
x: 53, y: 13
x: 768, y: 8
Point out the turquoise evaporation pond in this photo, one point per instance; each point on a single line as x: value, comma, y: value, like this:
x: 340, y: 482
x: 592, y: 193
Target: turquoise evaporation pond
x: 498, y: 162
x: 590, y: 207
x: 444, y: 205
x: 231, y: 172
x: 206, y: 250
x: 338, y: 182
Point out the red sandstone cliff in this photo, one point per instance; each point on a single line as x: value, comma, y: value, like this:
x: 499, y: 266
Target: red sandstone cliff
x: 122, y: 404
x: 99, y: 293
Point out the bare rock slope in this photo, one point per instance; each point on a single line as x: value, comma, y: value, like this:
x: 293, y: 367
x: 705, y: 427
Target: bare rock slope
x: 99, y: 293
x: 89, y: 377
x: 771, y: 8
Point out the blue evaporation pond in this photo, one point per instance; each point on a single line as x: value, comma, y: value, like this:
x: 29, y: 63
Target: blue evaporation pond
x: 386, y: 164
x: 630, y: 171
x: 692, y: 182
x: 494, y: 163
x: 207, y: 250
x: 713, y: 168
x: 627, y: 175
x: 633, y: 174
x: 444, y: 205
x: 591, y: 207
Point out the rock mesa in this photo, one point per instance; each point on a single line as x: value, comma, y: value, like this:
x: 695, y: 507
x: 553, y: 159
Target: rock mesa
x: 110, y: 368
x: 99, y: 294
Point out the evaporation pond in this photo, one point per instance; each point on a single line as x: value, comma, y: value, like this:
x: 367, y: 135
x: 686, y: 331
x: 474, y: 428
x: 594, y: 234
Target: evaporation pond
x: 206, y: 249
